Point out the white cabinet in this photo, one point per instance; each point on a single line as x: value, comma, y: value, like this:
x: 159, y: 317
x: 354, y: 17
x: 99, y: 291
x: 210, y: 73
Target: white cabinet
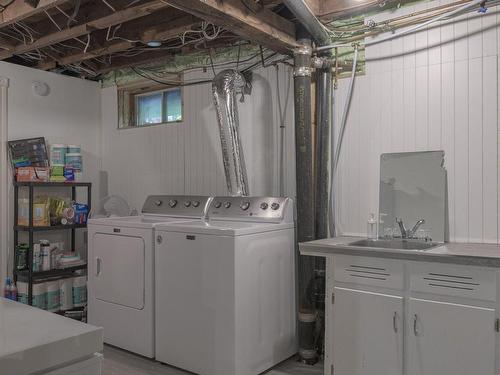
x: 395, y: 317
x: 368, y: 333
x: 450, y: 339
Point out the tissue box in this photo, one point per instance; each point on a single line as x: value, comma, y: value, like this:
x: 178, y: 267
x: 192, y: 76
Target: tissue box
x: 32, y: 174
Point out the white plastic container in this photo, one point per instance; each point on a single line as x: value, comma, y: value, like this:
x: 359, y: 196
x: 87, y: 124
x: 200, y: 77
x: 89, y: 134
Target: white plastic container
x: 58, y: 154
x: 53, y: 296
x: 66, y: 293
x: 74, y: 161
x: 45, y: 255
x: 40, y: 295
x: 79, y: 291
x: 371, y: 227
x: 22, y: 292
x: 37, y: 258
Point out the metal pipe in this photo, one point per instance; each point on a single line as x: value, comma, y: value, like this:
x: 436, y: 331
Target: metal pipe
x: 308, y: 19
x: 225, y: 86
x: 303, y: 141
x: 323, y: 129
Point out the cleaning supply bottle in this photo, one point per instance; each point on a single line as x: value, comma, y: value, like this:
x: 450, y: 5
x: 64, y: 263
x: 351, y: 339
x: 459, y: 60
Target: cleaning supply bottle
x: 13, y: 291
x: 6, y: 289
x: 371, y: 227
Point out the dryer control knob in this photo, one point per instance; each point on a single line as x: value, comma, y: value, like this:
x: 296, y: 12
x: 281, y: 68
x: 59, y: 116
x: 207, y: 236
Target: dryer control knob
x: 227, y: 204
x: 275, y: 206
x: 195, y: 203
x: 264, y: 205
x: 187, y: 203
x: 245, y: 205
x: 158, y: 203
x: 217, y: 204
x: 159, y: 239
x: 172, y: 203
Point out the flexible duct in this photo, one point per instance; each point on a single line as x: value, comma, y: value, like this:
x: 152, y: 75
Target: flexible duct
x: 226, y: 85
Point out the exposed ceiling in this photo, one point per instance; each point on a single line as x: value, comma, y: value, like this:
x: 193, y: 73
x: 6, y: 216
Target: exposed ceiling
x: 90, y: 37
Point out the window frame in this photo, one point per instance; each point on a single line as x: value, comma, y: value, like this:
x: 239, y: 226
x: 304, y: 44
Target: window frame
x: 129, y: 96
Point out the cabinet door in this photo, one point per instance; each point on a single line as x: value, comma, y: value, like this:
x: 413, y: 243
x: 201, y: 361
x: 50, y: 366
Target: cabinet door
x: 367, y: 333
x: 450, y: 339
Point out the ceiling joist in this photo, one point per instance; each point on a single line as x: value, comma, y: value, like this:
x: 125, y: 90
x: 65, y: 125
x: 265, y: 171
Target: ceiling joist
x: 249, y: 21
x: 19, y: 10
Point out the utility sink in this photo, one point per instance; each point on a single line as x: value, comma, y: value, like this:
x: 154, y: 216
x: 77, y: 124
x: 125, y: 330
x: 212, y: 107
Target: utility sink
x: 397, y: 244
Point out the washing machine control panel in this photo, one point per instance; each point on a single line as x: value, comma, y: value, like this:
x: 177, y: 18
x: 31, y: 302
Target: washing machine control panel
x: 249, y: 208
x: 176, y: 205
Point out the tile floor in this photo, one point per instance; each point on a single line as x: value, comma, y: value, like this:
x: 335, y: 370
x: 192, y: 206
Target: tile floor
x: 120, y: 362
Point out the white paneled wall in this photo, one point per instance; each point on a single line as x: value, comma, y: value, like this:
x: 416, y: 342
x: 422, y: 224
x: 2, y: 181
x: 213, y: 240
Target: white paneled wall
x: 436, y: 89
x: 185, y: 158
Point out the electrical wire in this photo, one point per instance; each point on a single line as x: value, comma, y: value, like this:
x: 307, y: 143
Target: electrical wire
x: 336, y: 155
x: 410, y: 30
x: 109, y: 5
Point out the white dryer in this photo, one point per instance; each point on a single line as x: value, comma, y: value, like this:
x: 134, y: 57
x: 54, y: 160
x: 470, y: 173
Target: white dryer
x: 121, y: 269
x: 225, y: 288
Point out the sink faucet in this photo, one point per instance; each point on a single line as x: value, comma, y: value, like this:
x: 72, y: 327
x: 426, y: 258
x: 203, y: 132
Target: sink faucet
x: 409, y: 233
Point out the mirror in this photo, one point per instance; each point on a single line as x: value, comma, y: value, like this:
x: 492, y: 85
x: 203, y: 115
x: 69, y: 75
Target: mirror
x: 413, y: 187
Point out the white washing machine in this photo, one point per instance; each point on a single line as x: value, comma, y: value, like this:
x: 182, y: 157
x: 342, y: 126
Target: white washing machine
x: 121, y: 269
x: 225, y: 288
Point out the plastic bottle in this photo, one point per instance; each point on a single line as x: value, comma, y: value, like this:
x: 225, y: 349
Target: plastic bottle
x: 371, y: 227
x: 13, y: 291
x: 6, y: 289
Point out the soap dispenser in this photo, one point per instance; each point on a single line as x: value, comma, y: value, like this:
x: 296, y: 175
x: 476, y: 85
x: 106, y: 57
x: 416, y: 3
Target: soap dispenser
x: 371, y: 227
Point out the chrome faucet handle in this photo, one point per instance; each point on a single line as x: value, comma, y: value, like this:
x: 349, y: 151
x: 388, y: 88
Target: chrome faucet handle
x: 402, y: 227
x: 411, y: 233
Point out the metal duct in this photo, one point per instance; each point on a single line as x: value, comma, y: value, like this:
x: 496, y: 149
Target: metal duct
x: 225, y: 87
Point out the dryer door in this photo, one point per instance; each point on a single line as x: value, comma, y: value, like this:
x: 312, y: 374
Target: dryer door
x: 119, y: 269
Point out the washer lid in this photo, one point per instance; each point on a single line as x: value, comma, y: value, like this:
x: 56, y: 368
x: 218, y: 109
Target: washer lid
x: 223, y: 227
x: 141, y: 221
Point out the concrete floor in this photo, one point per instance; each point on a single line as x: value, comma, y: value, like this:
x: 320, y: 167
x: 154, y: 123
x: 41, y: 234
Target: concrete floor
x: 120, y: 362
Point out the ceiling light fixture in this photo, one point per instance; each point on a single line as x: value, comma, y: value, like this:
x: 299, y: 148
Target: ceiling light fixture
x: 154, y: 43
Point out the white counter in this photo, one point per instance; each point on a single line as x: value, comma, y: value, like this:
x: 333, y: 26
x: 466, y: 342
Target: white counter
x: 34, y: 341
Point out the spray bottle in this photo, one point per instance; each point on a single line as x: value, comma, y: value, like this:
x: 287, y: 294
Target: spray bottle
x: 13, y: 291
x: 6, y: 289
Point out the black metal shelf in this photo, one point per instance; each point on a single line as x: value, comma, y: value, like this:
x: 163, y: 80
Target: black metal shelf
x: 28, y: 275
x: 23, y: 228
x: 24, y: 275
x: 53, y: 184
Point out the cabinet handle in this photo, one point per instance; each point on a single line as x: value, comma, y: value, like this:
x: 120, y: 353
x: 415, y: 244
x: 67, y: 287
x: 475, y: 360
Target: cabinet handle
x: 395, y: 322
x: 98, y: 262
x: 415, y: 324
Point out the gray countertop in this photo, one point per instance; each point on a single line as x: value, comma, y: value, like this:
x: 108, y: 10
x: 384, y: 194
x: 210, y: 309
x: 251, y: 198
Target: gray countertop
x: 33, y: 340
x: 486, y: 255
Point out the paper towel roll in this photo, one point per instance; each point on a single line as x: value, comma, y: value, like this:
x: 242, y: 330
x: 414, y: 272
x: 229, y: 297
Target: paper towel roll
x: 66, y: 293
x: 53, y: 296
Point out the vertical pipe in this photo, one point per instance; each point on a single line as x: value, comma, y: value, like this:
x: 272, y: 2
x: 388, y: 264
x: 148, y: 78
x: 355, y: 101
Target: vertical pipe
x: 303, y: 142
x: 305, y: 183
x: 323, y: 128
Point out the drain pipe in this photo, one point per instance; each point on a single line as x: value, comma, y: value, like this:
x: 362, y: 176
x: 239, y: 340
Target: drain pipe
x: 306, y: 229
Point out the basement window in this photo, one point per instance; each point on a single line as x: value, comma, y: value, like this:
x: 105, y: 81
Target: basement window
x: 146, y: 106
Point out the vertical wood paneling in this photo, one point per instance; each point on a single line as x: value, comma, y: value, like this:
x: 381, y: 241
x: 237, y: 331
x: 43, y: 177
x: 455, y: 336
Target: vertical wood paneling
x: 440, y: 89
x: 475, y: 144
x: 489, y: 149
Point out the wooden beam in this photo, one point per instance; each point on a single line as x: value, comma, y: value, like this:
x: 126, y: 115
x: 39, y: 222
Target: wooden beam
x: 112, y: 47
x: 329, y: 9
x: 115, y: 18
x: 255, y: 23
x: 19, y: 10
x: 168, y: 30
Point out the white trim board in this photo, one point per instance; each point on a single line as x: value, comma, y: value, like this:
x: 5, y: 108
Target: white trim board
x: 4, y: 180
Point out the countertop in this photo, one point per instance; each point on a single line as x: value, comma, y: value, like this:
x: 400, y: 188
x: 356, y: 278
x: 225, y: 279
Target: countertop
x: 32, y: 339
x: 486, y: 255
